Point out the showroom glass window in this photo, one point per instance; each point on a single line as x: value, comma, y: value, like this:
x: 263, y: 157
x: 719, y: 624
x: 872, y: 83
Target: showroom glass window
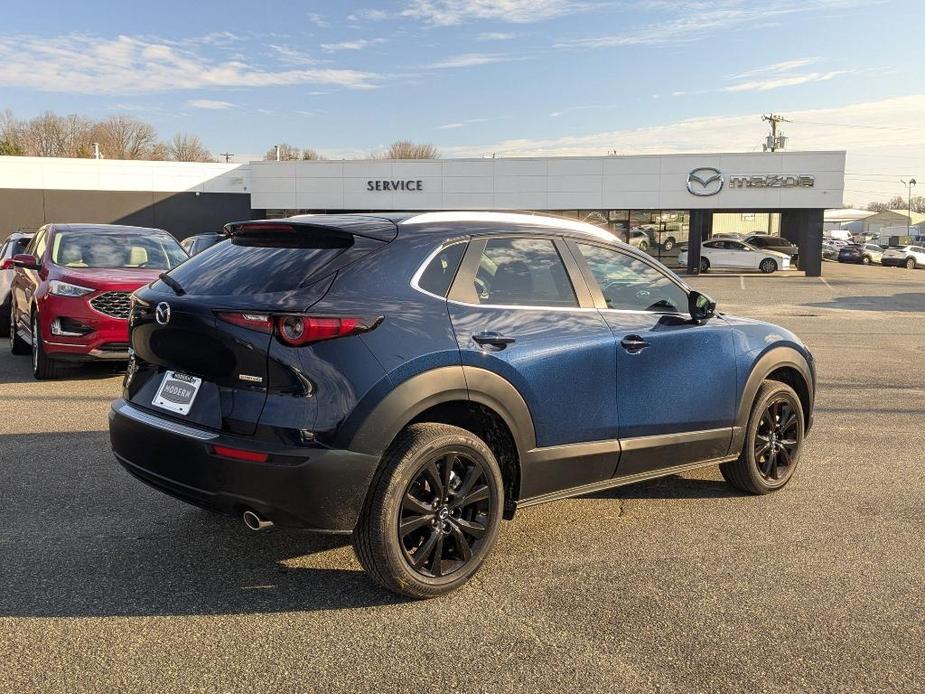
x: 630, y: 284
x: 522, y: 272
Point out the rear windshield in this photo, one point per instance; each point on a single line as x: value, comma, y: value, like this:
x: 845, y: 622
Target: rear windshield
x: 247, y: 266
x: 109, y: 250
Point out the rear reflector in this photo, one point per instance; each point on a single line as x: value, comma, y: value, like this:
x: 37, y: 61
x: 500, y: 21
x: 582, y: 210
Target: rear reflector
x: 239, y: 454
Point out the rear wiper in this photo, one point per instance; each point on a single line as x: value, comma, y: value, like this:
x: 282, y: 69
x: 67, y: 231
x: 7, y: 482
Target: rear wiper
x: 172, y: 283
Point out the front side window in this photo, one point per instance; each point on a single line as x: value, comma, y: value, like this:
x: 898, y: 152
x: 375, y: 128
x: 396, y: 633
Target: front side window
x: 522, y: 272
x: 112, y: 250
x: 629, y: 284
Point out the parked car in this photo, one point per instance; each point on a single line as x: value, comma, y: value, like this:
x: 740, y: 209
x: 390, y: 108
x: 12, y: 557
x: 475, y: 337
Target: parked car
x: 70, y: 293
x: 14, y: 244
x: 729, y: 253
x: 640, y: 239
x: 410, y: 378
x: 767, y: 242
x: 730, y: 235
x: 866, y: 253
x: 200, y: 242
x: 908, y: 256
x: 838, y: 243
x: 843, y: 235
x: 829, y: 251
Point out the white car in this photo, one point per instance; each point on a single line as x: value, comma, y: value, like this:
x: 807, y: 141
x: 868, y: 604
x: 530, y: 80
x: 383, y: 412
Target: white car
x: 908, y: 256
x: 16, y: 243
x: 729, y: 253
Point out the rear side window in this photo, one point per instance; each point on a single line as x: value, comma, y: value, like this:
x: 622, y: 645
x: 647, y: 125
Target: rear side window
x: 272, y: 263
x: 439, y: 273
x: 522, y: 272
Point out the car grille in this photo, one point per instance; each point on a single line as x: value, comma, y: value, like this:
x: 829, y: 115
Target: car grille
x: 115, y: 304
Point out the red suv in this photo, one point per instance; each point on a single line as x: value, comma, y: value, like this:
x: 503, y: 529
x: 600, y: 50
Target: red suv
x: 70, y: 296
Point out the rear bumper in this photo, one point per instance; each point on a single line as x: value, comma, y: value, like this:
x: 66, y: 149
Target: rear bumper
x: 313, y: 488
x: 893, y: 261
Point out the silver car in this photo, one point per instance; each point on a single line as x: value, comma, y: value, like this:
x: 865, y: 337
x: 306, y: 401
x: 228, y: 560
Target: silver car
x: 14, y: 244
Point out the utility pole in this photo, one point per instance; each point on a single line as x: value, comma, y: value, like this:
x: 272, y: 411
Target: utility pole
x: 911, y: 182
x: 227, y: 155
x: 277, y: 152
x: 774, y: 141
x: 96, y: 151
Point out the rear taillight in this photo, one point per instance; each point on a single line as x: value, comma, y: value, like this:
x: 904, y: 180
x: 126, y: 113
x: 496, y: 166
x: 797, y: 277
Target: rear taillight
x: 302, y: 330
x: 255, y: 321
x: 297, y: 330
x: 7, y: 264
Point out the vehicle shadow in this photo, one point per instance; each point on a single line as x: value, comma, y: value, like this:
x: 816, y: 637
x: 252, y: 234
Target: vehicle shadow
x: 19, y: 370
x: 83, y: 538
x: 908, y: 302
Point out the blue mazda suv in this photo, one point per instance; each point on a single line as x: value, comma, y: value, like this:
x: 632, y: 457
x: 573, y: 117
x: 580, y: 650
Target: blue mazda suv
x: 412, y: 379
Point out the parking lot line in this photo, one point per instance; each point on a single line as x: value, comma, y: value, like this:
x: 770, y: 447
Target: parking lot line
x: 742, y: 281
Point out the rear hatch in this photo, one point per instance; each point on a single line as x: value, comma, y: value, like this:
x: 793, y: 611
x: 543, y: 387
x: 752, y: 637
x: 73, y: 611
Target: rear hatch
x: 211, y: 321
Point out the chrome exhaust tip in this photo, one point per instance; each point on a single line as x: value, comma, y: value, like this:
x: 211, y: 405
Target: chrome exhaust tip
x: 255, y: 522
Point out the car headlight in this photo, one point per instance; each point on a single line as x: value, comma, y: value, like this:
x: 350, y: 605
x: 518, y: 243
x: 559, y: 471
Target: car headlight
x: 59, y: 288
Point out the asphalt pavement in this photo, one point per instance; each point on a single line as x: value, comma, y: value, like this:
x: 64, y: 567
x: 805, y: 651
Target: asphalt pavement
x: 680, y: 584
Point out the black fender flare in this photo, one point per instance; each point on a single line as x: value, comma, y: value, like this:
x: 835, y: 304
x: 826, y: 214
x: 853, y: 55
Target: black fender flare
x: 445, y: 384
x: 775, y: 358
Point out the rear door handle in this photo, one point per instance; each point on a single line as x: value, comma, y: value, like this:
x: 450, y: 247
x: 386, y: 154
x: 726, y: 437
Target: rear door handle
x: 633, y: 344
x: 494, y: 339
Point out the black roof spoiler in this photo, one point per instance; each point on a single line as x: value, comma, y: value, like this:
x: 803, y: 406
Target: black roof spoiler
x: 377, y: 228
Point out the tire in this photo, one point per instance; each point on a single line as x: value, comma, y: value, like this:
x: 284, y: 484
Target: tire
x: 866, y: 260
x: 402, y: 493
x: 761, y: 472
x: 768, y: 265
x: 669, y: 244
x: 704, y: 265
x: 43, y: 366
x: 643, y: 246
x: 5, y: 317
x: 17, y: 344
x: 910, y: 263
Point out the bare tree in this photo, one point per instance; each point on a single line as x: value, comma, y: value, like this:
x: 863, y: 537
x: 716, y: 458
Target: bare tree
x: 286, y: 153
x: 898, y: 202
x: 405, y: 149
x: 185, y: 147
x: 124, y: 137
x: 11, y: 135
x: 51, y: 135
x: 309, y: 154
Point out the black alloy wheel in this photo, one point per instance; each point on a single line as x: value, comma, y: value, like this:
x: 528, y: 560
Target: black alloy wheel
x: 776, y: 440
x: 444, y: 514
x: 704, y: 265
x: 432, y: 512
x: 773, y: 440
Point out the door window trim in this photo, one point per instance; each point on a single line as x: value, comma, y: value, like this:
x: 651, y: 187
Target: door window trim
x: 416, y: 277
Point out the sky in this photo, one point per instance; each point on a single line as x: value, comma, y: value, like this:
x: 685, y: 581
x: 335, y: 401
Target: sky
x: 481, y: 78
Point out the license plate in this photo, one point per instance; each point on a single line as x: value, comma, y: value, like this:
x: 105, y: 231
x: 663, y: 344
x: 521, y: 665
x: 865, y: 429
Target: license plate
x: 177, y: 392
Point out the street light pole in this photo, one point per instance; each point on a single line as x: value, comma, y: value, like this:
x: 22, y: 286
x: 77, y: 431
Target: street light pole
x: 910, y: 183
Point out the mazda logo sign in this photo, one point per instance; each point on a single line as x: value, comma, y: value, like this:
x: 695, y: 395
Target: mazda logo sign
x: 162, y: 313
x: 704, y: 181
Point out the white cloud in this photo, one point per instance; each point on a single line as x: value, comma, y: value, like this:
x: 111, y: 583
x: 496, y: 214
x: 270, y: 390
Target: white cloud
x: 462, y: 124
x: 784, y: 66
x: 83, y: 64
x: 210, y: 104
x: 495, y: 36
x: 783, y: 81
x: 449, y: 12
x: 470, y: 60
x: 356, y: 45
x: 885, y: 140
x: 317, y: 19
x: 693, y: 21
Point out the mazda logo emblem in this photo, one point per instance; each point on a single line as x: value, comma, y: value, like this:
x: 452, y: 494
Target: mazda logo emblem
x: 162, y: 313
x: 704, y: 181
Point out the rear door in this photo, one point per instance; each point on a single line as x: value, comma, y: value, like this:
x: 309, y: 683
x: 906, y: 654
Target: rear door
x: 519, y: 312
x: 676, y: 379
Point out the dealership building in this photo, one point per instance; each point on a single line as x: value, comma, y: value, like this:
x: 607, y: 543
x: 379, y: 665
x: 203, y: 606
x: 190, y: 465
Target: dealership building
x: 655, y: 202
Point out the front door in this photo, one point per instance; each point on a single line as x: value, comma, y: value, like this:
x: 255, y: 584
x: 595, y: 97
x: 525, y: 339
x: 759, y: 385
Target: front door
x: 517, y: 312
x: 676, y: 379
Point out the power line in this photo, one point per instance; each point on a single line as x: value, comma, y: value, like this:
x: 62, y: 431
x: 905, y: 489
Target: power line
x: 858, y: 125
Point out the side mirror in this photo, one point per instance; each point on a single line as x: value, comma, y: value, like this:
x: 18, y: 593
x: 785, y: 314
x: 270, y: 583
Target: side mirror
x: 24, y: 260
x: 700, y: 306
